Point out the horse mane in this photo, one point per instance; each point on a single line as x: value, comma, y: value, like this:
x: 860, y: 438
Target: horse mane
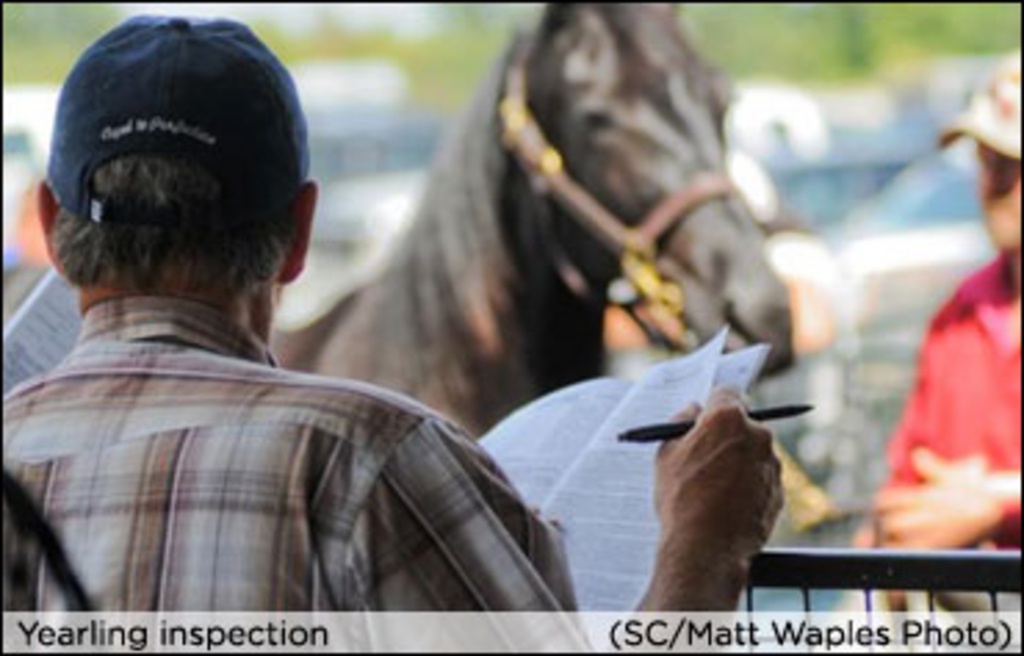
x: 461, y: 267
x: 442, y: 316
x: 473, y: 315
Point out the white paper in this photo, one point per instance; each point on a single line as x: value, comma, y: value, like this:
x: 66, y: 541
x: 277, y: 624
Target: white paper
x: 599, y: 490
x: 561, y: 451
x: 540, y: 442
x: 739, y: 370
x: 42, y: 333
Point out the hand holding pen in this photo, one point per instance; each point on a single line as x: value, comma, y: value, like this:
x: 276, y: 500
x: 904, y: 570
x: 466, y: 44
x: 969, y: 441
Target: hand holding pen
x: 678, y: 430
x: 718, y: 495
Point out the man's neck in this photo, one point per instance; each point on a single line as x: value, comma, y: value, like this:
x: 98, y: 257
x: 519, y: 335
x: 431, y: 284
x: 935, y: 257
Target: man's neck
x: 253, y: 313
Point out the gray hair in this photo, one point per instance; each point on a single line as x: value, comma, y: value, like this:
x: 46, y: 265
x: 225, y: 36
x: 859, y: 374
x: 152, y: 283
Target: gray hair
x: 201, y: 253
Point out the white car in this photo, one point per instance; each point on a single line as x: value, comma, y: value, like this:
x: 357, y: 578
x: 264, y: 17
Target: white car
x: 17, y: 178
x: 906, y: 250
x: 29, y: 113
x: 372, y: 164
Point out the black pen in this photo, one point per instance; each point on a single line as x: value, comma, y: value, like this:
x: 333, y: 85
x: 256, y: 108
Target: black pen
x: 663, y: 432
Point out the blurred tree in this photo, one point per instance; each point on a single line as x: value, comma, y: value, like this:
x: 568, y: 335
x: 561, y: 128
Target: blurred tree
x: 460, y: 16
x: 837, y: 43
x: 855, y: 46
x: 42, y: 41
x: 463, y: 16
x: 816, y: 43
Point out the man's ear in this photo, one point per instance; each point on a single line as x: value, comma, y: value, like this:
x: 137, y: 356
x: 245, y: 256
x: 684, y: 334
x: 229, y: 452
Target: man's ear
x: 303, y: 211
x: 48, y: 208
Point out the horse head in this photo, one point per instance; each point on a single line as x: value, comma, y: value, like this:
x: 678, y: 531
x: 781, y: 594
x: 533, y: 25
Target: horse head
x: 638, y: 116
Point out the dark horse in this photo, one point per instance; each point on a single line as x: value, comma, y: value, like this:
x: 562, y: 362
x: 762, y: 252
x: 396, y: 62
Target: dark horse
x: 472, y: 317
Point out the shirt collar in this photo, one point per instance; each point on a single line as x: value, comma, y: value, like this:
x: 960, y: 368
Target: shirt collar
x: 171, y: 320
x: 990, y: 297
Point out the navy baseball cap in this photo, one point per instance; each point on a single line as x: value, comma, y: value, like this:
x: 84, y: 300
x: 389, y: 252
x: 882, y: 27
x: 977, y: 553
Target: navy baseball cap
x: 205, y: 90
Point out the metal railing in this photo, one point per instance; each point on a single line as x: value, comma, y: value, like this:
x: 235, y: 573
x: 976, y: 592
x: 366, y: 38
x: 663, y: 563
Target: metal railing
x: 932, y: 572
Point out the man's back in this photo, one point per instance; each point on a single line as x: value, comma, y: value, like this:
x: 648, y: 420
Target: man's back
x: 186, y: 474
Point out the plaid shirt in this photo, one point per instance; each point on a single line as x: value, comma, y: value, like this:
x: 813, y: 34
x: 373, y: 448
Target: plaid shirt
x: 186, y: 473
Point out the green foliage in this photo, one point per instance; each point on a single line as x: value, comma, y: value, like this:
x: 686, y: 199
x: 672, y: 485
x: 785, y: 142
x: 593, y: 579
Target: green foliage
x: 42, y: 41
x: 443, y: 69
x: 836, y: 43
x: 817, y: 43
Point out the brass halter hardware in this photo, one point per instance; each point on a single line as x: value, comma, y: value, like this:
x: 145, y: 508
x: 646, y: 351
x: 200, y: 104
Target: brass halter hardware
x: 665, y: 298
x: 662, y: 298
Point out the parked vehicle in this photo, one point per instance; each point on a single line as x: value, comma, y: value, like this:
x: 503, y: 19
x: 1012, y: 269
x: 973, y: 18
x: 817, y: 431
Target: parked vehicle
x: 907, y: 249
x: 372, y: 165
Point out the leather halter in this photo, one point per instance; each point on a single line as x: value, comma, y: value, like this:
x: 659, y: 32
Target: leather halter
x: 658, y: 300
x: 655, y: 280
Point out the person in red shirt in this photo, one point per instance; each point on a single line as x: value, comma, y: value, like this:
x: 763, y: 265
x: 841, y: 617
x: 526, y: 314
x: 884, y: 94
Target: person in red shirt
x: 955, y: 459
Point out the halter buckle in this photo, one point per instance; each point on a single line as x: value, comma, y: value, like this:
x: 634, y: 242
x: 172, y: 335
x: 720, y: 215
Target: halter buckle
x: 514, y: 116
x: 665, y: 298
x: 551, y: 162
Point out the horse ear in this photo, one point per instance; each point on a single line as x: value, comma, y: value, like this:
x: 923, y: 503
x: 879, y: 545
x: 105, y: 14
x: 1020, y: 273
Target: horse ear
x: 723, y: 87
x: 722, y: 91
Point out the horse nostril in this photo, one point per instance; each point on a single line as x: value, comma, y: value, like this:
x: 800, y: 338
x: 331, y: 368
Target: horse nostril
x: 598, y: 121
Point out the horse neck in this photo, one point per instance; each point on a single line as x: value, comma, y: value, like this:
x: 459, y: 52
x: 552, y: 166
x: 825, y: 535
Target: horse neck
x: 473, y: 293
x: 564, y: 332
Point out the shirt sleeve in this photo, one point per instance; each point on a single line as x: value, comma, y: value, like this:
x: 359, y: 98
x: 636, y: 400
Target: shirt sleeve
x: 444, y: 530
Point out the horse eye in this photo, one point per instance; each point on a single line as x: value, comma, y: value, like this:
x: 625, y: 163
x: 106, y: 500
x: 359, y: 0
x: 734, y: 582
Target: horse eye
x: 599, y: 121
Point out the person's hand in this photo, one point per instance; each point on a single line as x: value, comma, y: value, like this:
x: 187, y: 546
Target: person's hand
x: 718, y: 494
x: 955, y: 507
x: 934, y: 470
x: 721, y: 484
